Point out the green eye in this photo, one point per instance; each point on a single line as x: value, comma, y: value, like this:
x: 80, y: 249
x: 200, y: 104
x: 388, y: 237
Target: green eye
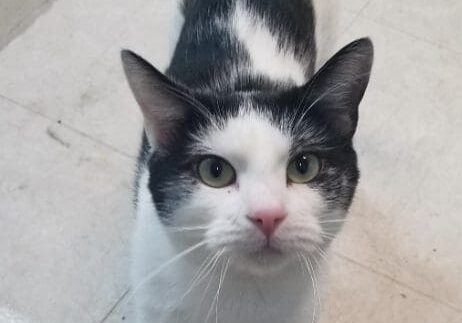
x: 216, y: 172
x: 303, y: 168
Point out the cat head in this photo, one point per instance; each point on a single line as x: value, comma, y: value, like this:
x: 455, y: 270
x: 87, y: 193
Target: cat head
x: 265, y: 177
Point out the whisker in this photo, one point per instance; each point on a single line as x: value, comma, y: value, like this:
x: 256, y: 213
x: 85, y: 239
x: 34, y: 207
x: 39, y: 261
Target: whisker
x: 334, y: 221
x: 316, y: 261
x: 219, y: 289
x: 321, y: 253
x: 210, y: 272
x: 198, y: 275
x: 224, y: 268
x: 159, y: 269
x: 326, y: 239
x: 315, y: 280
x: 314, y: 284
x: 305, y: 267
x: 327, y: 235
x: 182, y: 229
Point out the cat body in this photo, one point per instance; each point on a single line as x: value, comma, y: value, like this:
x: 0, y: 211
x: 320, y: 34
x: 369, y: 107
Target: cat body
x: 247, y: 167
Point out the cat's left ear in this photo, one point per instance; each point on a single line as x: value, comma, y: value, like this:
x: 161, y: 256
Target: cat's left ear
x: 335, y: 91
x: 165, y: 104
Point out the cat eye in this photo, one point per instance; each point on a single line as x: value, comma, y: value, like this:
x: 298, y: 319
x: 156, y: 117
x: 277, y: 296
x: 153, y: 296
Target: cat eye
x: 303, y: 168
x: 216, y: 172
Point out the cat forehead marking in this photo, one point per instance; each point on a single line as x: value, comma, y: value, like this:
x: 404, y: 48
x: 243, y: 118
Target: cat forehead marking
x: 249, y: 138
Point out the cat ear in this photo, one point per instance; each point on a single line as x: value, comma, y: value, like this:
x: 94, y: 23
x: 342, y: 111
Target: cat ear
x: 164, y: 104
x: 335, y: 91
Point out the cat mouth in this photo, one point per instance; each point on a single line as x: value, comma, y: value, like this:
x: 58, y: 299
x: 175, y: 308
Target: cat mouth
x: 268, y: 250
x: 267, y: 259
x: 271, y: 251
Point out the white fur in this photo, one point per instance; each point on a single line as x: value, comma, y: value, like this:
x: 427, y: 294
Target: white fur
x: 250, y: 291
x: 262, y: 47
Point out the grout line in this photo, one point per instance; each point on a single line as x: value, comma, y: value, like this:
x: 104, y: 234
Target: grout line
x: 118, y: 301
x: 69, y: 127
x: 399, y: 283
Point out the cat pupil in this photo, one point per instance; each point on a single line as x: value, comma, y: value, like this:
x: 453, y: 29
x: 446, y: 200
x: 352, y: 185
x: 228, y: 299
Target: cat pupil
x: 302, y: 165
x: 215, y: 169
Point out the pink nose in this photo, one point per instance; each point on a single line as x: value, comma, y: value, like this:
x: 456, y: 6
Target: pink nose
x: 267, y: 220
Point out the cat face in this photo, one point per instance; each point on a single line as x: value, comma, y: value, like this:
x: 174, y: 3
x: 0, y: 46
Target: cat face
x: 264, y: 176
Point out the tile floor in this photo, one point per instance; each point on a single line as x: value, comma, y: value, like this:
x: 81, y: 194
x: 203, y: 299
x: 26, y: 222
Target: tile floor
x: 69, y: 131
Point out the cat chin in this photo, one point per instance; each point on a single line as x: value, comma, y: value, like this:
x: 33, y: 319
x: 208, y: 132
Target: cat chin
x: 262, y: 263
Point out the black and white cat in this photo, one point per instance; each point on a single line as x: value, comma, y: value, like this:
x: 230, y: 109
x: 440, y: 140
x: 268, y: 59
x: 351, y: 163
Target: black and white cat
x: 247, y: 167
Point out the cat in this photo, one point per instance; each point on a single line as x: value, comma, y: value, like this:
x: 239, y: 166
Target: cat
x: 247, y: 167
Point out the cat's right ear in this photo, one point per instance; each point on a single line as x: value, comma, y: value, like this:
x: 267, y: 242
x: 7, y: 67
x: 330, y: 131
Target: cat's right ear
x: 335, y: 91
x: 164, y: 103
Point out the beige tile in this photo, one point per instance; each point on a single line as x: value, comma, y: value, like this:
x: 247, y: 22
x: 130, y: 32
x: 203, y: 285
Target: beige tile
x: 330, y: 27
x: 353, y: 6
x: 77, y: 77
x: 49, y: 61
x: 405, y: 221
x: 105, y: 107
x: 435, y: 21
x: 332, y: 6
x: 16, y: 16
x: 65, y: 214
x: 355, y: 295
x: 71, y: 75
